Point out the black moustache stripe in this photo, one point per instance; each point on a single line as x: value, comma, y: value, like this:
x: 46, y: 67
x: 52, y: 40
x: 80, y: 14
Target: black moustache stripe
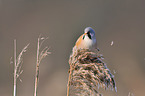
x: 84, y: 37
x: 89, y: 35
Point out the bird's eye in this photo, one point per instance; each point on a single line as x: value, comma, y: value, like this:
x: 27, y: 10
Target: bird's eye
x: 89, y: 35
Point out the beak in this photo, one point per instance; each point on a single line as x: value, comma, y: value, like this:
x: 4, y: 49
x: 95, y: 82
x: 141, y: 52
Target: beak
x: 85, y: 33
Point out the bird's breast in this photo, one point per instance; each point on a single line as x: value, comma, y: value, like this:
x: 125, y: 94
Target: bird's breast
x: 85, y: 43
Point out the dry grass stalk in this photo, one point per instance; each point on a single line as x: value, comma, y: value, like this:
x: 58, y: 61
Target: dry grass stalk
x: 87, y: 73
x: 40, y: 55
x: 17, y: 66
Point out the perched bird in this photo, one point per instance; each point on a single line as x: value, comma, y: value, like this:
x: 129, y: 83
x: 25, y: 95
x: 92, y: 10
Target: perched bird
x: 87, y: 40
x: 87, y: 70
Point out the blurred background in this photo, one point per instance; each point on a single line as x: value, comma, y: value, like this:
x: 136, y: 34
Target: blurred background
x: 120, y: 21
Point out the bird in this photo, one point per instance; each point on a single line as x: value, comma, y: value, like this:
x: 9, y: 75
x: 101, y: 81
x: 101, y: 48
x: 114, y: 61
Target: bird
x: 87, y: 40
x: 87, y: 70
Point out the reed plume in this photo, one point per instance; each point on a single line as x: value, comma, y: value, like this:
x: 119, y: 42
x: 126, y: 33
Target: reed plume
x: 87, y: 73
x: 17, y: 66
x: 40, y: 55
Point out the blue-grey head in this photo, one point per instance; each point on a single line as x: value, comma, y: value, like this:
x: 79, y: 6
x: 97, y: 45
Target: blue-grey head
x: 89, y: 32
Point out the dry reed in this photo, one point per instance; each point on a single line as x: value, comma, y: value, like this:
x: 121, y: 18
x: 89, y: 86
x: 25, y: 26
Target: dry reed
x: 40, y: 55
x: 17, y: 66
x: 87, y: 73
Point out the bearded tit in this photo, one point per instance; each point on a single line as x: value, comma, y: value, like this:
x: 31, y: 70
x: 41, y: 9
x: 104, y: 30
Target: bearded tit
x: 87, y: 40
